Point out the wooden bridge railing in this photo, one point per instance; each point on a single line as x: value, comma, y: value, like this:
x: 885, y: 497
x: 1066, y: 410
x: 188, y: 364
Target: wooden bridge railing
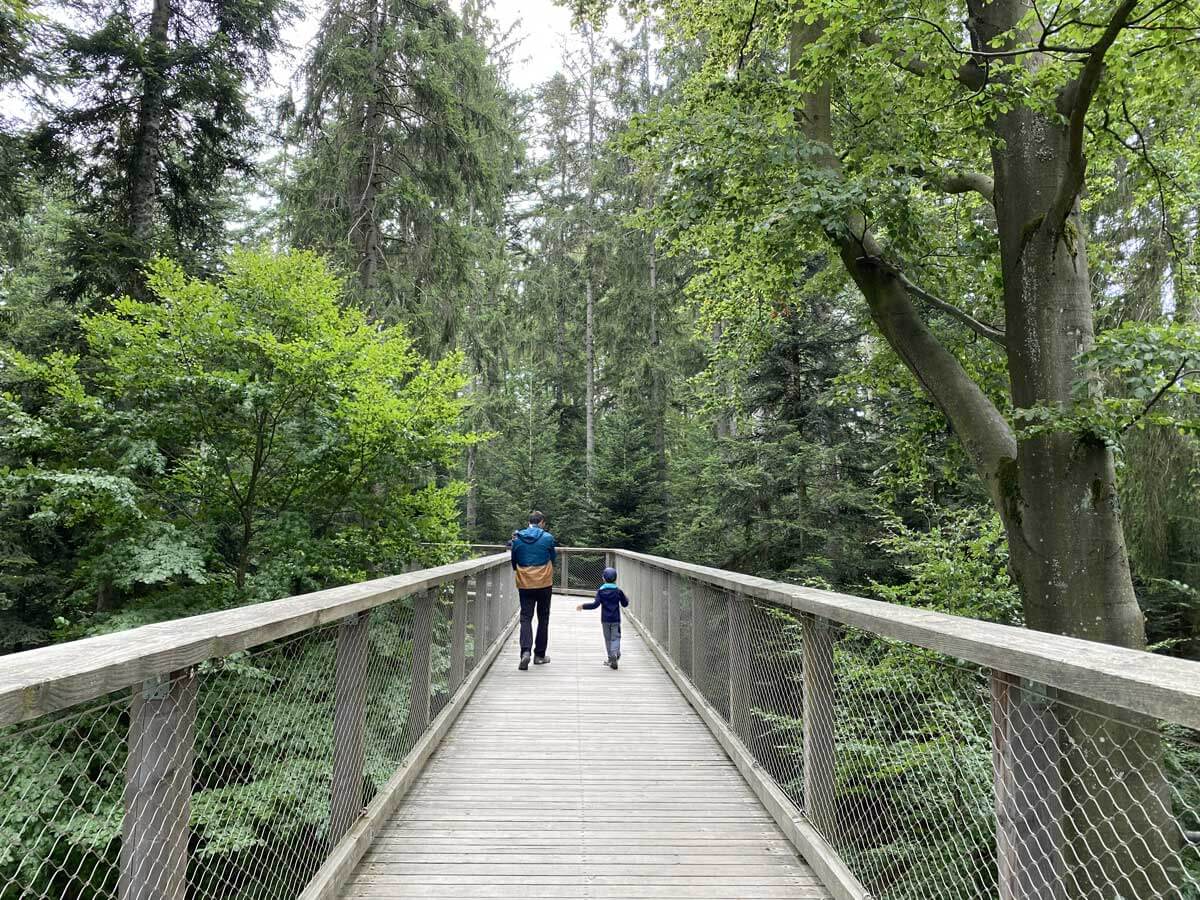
x: 909, y: 753
x: 250, y: 752
x: 906, y: 753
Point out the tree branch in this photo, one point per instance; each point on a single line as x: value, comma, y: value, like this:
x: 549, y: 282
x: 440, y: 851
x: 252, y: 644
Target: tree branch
x: 970, y: 73
x: 995, y: 335
x: 965, y: 183
x: 953, y: 182
x: 986, y: 435
x: 1180, y: 373
x: 1075, y: 102
x: 746, y: 39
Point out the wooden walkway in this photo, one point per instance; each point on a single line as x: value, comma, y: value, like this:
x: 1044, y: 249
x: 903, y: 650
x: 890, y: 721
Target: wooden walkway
x: 574, y: 781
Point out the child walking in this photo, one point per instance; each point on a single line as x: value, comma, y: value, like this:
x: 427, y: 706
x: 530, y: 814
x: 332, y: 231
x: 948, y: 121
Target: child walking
x: 610, y: 599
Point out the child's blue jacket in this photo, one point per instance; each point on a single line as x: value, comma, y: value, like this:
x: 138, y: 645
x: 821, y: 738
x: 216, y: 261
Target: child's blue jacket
x: 610, y: 599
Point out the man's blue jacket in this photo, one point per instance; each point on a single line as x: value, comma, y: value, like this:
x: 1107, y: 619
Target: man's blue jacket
x: 533, y: 556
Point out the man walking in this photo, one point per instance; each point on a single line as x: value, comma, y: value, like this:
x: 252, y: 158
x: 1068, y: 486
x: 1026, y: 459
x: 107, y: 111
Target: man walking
x: 533, y: 555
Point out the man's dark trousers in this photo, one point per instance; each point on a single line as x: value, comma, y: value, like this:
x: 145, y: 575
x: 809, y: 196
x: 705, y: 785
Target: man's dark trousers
x: 532, y: 598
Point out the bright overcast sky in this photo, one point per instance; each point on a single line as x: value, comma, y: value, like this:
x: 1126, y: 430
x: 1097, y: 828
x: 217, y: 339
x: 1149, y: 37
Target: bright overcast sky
x: 544, y: 28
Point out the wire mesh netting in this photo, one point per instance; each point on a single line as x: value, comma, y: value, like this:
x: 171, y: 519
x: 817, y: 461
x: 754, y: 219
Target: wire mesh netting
x: 932, y: 778
x: 584, y: 570
x: 235, y: 778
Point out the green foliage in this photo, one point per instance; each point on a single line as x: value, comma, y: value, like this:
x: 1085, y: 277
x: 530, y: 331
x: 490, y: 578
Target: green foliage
x: 956, y: 563
x: 404, y: 166
x: 789, y: 494
x: 248, y: 426
x: 239, y: 438
x: 630, y: 509
x: 115, y: 72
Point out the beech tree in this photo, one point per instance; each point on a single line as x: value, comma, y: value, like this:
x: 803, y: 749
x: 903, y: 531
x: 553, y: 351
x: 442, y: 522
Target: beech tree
x: 939, y: 155
x: 976, y: 150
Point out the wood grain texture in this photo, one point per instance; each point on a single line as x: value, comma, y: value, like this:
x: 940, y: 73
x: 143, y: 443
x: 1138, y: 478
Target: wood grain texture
x: 674, y: 634
x: 349, y: 707
x: 422, y: 639
x: 479, y: 617
x: 458, y: 636
x: 825, y: 862
x: 820, y: 750
x: 340, y: 864
x: 37, y: 682
x: 572, y: 780
x: 158, y: 789
x: 1159, y: 686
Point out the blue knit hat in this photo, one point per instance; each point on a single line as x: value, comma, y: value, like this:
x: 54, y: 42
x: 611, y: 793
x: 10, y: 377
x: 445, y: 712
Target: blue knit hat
x: 609, y: 575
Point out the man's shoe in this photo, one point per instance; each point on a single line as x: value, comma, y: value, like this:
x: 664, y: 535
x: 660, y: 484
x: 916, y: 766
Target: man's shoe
x: 524, y: 663
x: 613, y: 663
x: 540, y: 660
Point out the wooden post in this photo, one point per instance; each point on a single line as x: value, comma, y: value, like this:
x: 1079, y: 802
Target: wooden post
x: 488, y: 615
x: 699, y: 636
x: 674, y: 638
x: 820, y: 802
x: 349, y: 708
x: 645, y: 599
x: 479, y: 616
x: 566, y: 580
x: 458, y: 636
x: 664, y: 617
x: 660, y: 591
x: 503, y: 598
x: 495, y: 585
x: 652, y: 591
x: 422, y: 638
x: 740, y: 648
x: 1027, y: 781
x: 158, y: 788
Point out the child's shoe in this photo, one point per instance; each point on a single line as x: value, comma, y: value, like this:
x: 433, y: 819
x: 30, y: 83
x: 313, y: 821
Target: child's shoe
x: 613, y: 662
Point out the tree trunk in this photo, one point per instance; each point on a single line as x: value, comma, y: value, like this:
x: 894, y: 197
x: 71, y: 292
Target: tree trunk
x: 1059, y: 499
x: 589, y: 339
x: 365, y: 184
x: 589, y: 263
x: 143, y: 173
x: 1059, y: 505
x: 560, y: 353
x: 560, y: 332
x: 472, y: 492
x: 105, y: 595
x: 657, y: 366
x: 1055, y: 494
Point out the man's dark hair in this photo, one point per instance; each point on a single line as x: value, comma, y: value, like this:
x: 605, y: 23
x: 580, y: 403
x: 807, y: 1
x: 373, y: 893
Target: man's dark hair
x: 536, y: 518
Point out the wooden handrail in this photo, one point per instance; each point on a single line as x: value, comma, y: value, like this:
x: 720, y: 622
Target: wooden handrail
x: 37, y: 682
x: 1160, y: 686
x: 563, y: 548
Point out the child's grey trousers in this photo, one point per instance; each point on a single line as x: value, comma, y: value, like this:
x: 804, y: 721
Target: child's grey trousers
x: 612, y: 638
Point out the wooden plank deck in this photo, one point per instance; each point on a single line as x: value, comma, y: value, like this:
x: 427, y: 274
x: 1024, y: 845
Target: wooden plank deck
x: 574, y: 781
